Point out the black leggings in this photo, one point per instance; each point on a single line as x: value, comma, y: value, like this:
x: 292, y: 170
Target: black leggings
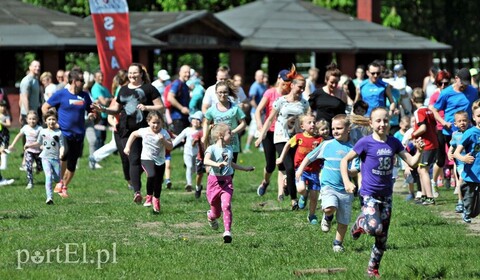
x: 135, y: 165
x: 269, y: 151
x: 442, y: 141
x: 123, y: 156
x: 289, y: 168
x: 154, y: 177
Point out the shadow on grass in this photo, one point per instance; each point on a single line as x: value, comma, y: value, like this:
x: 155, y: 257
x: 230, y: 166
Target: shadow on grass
x: 23, y: 215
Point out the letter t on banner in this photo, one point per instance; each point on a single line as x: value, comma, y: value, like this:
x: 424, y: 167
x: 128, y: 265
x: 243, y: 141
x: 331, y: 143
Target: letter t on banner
x: 112, y: 30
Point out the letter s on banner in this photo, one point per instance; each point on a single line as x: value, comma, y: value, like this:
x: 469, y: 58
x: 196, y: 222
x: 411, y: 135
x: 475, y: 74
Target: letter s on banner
x: 112, y: 31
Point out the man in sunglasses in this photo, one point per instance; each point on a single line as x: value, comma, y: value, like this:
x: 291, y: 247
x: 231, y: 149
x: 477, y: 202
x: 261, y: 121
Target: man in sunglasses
x: 71, y: 103
x: 374, y: 91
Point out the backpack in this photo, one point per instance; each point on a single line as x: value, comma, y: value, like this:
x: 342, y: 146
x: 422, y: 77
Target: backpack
x: 167, y: 104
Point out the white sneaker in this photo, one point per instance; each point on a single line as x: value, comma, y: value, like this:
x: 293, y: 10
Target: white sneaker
x: 6, y: 182
x: 29, y: 186
x: 434, y: 189
x: 98, y: 166
x: 227, y: 237
x: 325, y: 225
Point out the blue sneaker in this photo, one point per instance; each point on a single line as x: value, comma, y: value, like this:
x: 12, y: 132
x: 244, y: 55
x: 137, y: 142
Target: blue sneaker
x: 262, y: 189
x: 409, y: 197
x: 459, y: 208
x: 466, y: 218
x: 312, y: 219
x: 302, y: 202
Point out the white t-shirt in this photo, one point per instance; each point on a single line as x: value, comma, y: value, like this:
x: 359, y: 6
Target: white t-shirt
x: 287, y: 123
x: 187, y: 134
x: 211, y: 97
x: 153, y: 148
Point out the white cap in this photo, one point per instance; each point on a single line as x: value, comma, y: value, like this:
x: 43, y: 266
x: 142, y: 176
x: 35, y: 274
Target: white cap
x: 163, y: 75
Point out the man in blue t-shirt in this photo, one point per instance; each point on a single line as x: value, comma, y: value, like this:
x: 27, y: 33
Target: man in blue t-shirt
x: 374, y: 90
x: 457, y: 97
x: 71, y: 104
x: 179, y: 98
x: 255, y: 94
x: 101, y: 95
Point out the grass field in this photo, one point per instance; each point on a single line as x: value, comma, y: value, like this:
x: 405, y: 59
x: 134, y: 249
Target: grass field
x: 99, y: 233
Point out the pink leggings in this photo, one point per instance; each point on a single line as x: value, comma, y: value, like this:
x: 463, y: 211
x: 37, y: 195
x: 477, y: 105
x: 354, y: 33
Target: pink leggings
x: 219, y: 195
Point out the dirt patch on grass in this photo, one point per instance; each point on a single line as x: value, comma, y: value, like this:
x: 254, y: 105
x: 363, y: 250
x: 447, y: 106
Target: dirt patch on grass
x: 188, y: 225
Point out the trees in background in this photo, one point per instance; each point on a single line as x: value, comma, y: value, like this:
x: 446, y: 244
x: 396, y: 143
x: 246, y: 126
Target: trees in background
x: 450, y: 22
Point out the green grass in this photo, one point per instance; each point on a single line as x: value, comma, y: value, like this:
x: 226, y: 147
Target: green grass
x: 270, y: 241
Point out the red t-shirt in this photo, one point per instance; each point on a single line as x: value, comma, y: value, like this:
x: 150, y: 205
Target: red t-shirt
x: 305, y: 144
x: 425, y: 116
x: 271, y: 95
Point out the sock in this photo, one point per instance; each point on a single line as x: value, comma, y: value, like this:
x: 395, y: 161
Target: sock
x: 3, y: 161
x: 460, y: 201
x: 329, y: 218
x: 336, y: 242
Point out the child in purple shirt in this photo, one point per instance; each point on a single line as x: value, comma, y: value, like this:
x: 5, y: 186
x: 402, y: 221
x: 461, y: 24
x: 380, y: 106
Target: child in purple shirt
x: 376, y: 152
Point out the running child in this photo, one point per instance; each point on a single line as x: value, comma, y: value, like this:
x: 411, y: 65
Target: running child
x: 323, y: 128
x: 305, y: 142
x: 155, y: 140
x: 31, y: 153
x: 5, y: 123
x: 426, y: 128
x: 219, y: 157
x: 51, y: 142
x: 376, y: 152
x: 335, y: 199
x: 190, y: 149
x: 462, y: 123
x: 471, y: 172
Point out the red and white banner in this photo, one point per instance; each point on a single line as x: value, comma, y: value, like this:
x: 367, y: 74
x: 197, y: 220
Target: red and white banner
x: 112, y: 30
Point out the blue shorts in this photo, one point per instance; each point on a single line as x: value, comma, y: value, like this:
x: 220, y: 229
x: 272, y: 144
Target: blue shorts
x: 311, y: 180
x: 342, y: 201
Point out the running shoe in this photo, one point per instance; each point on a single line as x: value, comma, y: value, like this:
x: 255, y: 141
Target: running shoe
x: 213, y: 223
x: 198, y: 192
x: 49, y: 201
x: 188, y: 188
x: 325, y: 225
x: 466, y: 218
x: 29, y: 186
x: 312, y: 219
x: 262, y: 189
x: 137, y: 198
x: 429, y: 201
x: 338, y: 246
x: 156, y: 205
x: 6, y: 182
x: 459, y: 208
x: 373, y: 273
x: 168, y: 183
x: 148, y: 201
x: 227, y: 237
x: 301, y: 202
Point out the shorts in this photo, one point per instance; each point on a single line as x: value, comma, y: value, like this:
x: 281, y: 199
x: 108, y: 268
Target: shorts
x: 342, y: 201
x: 199, y: 166
x: 168, y: 156
x: 311, y: 180
x: 428, y: 158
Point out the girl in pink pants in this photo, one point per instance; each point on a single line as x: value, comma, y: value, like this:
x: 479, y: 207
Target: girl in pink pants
x: 219, y: 157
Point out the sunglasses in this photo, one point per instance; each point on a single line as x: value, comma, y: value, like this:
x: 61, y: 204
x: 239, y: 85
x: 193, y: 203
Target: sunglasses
x: 375, y: 73
x: 443, y: 83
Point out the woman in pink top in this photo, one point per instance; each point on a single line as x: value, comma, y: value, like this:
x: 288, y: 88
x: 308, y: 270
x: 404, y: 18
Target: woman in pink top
x: 266, y: 103
x: 442, y: 80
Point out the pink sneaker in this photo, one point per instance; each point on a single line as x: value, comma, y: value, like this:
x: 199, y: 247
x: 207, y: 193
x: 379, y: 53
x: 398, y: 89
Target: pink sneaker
x: 373, y: 273
x: 156, y: 205
x: 137, y: 198
x: 148, y: 201
x: 63, y: 193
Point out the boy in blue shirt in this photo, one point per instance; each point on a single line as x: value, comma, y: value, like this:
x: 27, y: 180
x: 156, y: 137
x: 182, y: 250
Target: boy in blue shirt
x: 334, y: 196
x: 471, y: 172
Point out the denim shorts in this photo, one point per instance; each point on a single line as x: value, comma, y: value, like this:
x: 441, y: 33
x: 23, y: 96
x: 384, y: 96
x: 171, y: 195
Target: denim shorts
x: 342, y: 201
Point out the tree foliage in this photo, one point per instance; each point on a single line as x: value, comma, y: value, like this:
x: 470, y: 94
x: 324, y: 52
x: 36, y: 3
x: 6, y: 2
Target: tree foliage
x: 450, y: 22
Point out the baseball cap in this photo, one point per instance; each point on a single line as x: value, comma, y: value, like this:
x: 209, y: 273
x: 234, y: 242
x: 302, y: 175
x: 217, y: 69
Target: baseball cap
x: 398, y: 67
x: 283, y: 74
x: 473, y: 71
x: 197, y: 115
x: 464, y: 76
x: 163, y: 74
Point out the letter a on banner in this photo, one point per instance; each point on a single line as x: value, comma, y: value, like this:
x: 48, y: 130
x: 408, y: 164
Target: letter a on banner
x: 112, y: 30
